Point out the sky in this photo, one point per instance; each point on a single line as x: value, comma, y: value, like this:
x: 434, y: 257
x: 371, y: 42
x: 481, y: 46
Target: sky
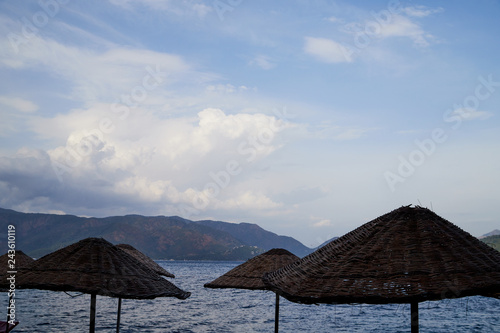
x: 308, y: 118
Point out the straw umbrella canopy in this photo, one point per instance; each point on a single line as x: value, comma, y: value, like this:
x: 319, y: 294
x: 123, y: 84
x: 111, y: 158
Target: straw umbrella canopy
x: 249, y: 274
x: 22, y: 260
x: 97, y: 267
x: 144, y: 259
x: 150, y: 263
x: 409, y: 255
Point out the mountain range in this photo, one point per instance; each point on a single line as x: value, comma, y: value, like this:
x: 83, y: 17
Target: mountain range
x: 495, y: 232
x: 160, y: 237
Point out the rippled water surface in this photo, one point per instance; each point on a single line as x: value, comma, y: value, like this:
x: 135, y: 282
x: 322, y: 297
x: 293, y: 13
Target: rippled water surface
x: 233, y: 310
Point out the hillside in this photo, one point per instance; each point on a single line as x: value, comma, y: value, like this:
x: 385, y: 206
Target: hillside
x: 252, y: 234
x: 159, y: 237
x: 493, y: 241
x: 491, y: 233
x: 325, y: 242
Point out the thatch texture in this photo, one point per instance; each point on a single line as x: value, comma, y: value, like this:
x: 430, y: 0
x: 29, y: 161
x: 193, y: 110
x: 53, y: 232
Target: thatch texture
x: 408, y: 255
x: 150, y: 263
x: 95, y: 266
x: 10, y: 327
x: 249, y: 274
x: 22, y: 260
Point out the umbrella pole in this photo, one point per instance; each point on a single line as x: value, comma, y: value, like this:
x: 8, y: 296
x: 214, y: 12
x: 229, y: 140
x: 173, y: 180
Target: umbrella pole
x: 414, y: 317
x: 92, y: 313
x: 118, y: 316
x: 277, y: 313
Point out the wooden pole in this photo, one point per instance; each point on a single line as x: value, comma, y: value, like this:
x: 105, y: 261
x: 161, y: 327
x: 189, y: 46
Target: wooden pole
x: 92, y: 313
x: 414, y: 317
x: 277, y: 313
x: 118, y: 316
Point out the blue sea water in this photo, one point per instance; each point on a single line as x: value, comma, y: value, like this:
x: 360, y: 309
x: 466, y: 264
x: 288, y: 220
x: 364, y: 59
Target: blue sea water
x: 234, y: 310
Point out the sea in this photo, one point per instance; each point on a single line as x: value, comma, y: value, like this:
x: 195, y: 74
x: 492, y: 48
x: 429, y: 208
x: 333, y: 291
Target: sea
x: 235, y: 310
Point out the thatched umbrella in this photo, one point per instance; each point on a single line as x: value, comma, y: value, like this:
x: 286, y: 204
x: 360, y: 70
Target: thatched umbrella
x: 409, y: 255
x: 150, y: 263
x: 13, y: 262
x: 22, y: 260
x: 249, y: 274
x: 96, y: 267
x: 144, y: 259
x: 6, y: 327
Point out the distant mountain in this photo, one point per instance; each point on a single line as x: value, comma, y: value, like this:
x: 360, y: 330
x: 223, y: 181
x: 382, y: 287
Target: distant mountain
x: 159, y: 237
x: 493, y: 241
x: 324, y: 243
x: 491, y: 233
x: 252, y: 234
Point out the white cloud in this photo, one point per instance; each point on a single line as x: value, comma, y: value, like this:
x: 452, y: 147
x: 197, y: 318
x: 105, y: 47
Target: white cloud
x: 201, y: 9
x: 146, y: 160
x: 19, y: 104
x: 62, y: 125
x: 179, y: 8
x: 99, y: 75
x: 148, y: 190
x: 404, y: 23
x: 53, y: 211
x: 471, y: 114
x: 401, y: 26
x: 263, y: 62
x: 225, y: 88
x: 248, y: 200
x: 14, y: 112
x: 421, y: 11
x: 326, y: 50
x: 333, y: 19
x: 322, y: 223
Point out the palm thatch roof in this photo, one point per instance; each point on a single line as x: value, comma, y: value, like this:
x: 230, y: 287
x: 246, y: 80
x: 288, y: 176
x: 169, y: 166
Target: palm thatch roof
x: 95, y: 266
x: 408, y: 255
x: 249, y: 274
x: 22, y: 260
x: 150, y: 263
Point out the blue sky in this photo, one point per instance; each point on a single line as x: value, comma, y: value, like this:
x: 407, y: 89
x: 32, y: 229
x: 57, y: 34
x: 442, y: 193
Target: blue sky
x: 308, y: 118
